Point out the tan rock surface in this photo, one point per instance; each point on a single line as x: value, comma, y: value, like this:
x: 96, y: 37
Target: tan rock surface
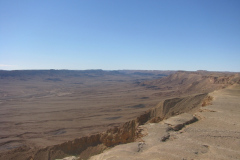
x: 216, y: 134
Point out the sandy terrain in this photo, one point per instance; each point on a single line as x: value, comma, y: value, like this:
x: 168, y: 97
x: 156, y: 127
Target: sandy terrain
x: 211, y: 133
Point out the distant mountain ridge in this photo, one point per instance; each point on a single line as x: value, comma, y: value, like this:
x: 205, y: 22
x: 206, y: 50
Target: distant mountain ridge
x: 15, y: 73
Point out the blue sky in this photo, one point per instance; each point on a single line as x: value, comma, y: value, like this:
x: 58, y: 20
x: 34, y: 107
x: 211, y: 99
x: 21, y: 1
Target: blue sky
x: 120, y: 34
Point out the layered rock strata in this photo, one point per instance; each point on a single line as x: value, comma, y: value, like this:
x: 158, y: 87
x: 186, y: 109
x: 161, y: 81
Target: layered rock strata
x: 85, y: 147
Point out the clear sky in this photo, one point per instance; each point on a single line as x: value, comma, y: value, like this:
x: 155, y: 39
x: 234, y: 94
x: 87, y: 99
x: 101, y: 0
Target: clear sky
x: 120, y: 34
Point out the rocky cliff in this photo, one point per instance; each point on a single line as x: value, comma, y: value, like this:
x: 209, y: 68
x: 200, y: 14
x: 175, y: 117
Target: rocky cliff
x: 127, y: 132
x: 186, y: 83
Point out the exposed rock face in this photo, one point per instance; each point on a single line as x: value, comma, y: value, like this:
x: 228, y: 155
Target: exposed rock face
x: 74, y: 147
x: 189, y: 82
x: 225, y: 79
x: 214, y: 136
x: 178, y: 122
x: 176, y: 106
x: 207, y: 101
x: 94, y: 144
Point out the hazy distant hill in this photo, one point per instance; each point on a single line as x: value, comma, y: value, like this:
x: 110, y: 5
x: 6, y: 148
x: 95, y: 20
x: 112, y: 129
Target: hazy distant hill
x: 21, y: 73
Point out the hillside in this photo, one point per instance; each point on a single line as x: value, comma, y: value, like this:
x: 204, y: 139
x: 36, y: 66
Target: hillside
x: 186, y: 83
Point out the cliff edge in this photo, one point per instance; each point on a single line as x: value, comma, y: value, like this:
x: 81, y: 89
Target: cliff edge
x: 213, y: 132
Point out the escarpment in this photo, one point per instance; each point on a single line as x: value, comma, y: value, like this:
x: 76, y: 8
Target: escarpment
x: 87, y: 146
x: 55, y: 122
x: 186, y: 83
x: 190, y: 89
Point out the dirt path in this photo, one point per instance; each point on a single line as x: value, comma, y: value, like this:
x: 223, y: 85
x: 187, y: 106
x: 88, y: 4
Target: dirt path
x: 211, y: 133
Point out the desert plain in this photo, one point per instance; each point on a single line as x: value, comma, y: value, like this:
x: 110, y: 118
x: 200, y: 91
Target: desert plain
x: 52, y: 114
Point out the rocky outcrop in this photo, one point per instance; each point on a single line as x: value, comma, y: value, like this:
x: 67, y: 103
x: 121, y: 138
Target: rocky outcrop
x: 178, y: 122
x: 207, y: 101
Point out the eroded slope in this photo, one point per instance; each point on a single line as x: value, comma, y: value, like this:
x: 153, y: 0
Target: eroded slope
x: 214, y: 136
